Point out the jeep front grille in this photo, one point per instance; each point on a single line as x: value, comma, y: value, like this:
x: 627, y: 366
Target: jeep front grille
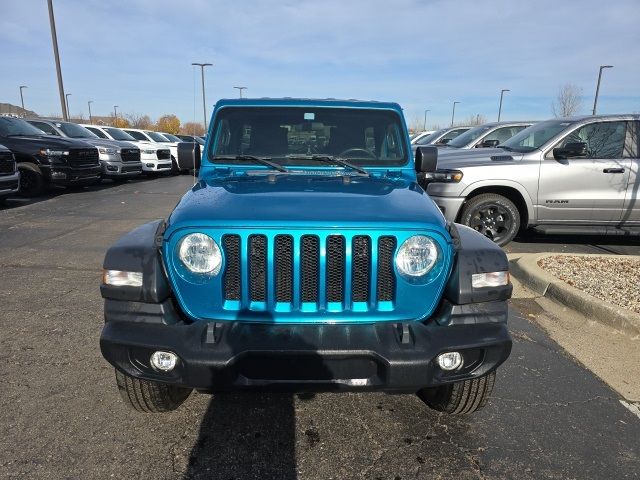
x: 292, y: 270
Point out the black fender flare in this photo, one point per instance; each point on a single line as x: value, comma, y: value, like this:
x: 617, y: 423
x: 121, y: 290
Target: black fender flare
x: 475, y: 253
x: 139, y: 251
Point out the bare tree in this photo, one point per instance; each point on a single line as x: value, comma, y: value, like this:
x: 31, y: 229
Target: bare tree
x: 568, y: 102
x: 140, y: 121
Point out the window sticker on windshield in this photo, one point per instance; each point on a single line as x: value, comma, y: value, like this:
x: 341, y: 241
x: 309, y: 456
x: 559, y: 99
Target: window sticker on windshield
x: 309, y: 116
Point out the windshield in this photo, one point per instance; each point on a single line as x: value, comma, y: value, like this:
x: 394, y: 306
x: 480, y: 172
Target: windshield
x: 373, y: 137
x: 156, y: 137
x: 535, y: 136
x: 17, y: 127
x: 469, y: 136
x: 171, y: 138
x: 118, y: 134
x: 75, y: 131
x: 429, y: 138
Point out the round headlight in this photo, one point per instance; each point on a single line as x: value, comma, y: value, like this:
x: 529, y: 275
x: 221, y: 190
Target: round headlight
x: 416, y: 256
x: 200, y: 253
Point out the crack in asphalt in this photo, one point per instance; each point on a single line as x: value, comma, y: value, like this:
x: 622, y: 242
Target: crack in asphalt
x: 555, y: 404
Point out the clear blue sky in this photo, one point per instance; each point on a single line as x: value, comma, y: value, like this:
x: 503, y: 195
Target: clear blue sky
x: 422, y: 54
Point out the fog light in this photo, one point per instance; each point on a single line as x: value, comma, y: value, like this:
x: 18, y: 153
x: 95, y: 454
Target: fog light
x: 118, y: 278
x: 450, y: 360
x: 58, y: 175
x: 150, y: 165
x: 163, y: 361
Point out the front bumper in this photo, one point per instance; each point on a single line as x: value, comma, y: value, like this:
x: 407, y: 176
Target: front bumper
x: 449, y: 206
x: 63, y: 175
x: 223, y: 356
x: 9, y: 184
x: 156, y: 165
x: 116, y: 169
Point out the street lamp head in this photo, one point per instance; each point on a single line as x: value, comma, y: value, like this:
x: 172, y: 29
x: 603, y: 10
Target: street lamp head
x: 202, y: 64
x: 505, y: 90
x: 23, y: 86
x: 606, y: 66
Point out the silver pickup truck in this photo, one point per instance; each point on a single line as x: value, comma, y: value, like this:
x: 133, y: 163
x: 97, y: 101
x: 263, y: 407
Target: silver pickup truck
x: 577, y: 175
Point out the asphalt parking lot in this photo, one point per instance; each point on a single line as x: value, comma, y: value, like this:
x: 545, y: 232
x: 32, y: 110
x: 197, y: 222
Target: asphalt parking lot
x: 62, y: 417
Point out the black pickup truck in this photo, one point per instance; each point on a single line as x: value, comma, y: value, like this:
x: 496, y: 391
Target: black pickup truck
x: 43, y: 159
x: 9, y: 176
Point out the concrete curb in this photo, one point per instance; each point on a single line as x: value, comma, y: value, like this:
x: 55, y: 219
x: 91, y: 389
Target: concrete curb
x: 525, y: 268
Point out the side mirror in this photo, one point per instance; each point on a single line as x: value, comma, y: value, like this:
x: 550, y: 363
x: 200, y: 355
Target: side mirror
x: 570, y: 150
x: 426, y: 159
x: 189, y: 155
x: 488, y: 144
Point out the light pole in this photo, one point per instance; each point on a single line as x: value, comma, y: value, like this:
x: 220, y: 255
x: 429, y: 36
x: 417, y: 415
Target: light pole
x: 595, y: 100
x: 21, y: 97
x: 56, y: 54
x: 453, y: 114
x: 501, y: 94
x: 424, y: 126
x: 240, y: 90
x: 204, y: 102
x: 90, y: 117
x: 67, y: 99
x: 115, y: 115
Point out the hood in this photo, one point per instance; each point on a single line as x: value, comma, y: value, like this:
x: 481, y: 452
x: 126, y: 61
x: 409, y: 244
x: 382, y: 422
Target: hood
x: 292, y: 200
x: 35, y: 142
x: 102, y: 142
x: 477, y: 156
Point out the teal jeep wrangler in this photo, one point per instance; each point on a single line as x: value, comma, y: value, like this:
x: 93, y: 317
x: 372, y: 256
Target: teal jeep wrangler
x: 306, y: 258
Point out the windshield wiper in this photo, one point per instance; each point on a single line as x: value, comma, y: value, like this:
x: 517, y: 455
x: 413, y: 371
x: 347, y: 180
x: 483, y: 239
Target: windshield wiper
x: 332, y: 159
x: 252, y: 158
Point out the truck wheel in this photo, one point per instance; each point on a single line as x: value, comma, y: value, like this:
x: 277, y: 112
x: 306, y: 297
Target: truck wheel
x: 150, y: 397
x: 493, y: 215
x: 32, y: 183
x: 461, y: 398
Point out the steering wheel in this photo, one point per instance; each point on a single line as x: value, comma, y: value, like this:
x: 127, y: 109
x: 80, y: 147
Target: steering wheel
x: 357, y: 150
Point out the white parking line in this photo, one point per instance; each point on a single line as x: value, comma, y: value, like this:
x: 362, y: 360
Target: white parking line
x: 632, y: 407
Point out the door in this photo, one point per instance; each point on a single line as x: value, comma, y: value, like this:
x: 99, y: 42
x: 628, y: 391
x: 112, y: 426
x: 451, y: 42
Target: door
x: 590, y: 189
x: 631, y: 209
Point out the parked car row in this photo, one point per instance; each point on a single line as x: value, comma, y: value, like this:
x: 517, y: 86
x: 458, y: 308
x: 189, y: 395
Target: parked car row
x: 575, y: 175
x: 37, y: 153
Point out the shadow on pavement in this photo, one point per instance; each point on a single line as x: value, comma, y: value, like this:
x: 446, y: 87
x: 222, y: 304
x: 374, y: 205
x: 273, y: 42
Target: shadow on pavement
x: 246, y: 435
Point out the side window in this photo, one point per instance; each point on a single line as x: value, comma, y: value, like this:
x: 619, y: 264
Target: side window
x: 97, y: 131
x: 46, y: 128
x: 603, y: 139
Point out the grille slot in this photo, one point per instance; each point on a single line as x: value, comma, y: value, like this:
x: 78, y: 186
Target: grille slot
x: 130, y: 154
x: 360, y: 268
x: 335, y: 268
x: 7, y: 163
x: 258, y: 268
x: 284, y: 268
x: 386, y: 277
x: 309, y: 268
x: 231, y: 278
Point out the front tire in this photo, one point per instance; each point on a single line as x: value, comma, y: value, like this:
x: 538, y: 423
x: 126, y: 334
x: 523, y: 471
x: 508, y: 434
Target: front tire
x: 493, y: 215
x: 461, y: 398
x: 150, y: 397
x: 32, y: 182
